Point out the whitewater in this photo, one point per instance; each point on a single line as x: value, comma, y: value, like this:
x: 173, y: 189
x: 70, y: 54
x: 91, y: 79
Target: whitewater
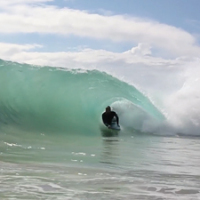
x: 53, y: 144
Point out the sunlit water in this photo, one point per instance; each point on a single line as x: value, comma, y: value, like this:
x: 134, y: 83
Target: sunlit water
x: 121, y: 167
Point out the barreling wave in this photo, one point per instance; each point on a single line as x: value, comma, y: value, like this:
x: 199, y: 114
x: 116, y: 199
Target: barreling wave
x: 64, y: 100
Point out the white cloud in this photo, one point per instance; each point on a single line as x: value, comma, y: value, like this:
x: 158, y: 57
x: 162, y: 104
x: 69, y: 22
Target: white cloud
x: 17, y: 2
x: 8, y: 50
x: 50, y: 19
x: 141, y: 49
x: 85, y: 57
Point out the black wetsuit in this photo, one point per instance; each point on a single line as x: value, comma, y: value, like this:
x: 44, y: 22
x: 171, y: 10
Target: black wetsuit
x: 108, y: 116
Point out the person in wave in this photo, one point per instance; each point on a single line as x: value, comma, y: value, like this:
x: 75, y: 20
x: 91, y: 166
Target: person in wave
x: 108, y: 117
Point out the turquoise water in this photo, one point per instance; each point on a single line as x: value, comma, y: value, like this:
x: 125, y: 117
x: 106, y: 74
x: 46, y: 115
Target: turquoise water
x: 52, y: 144
x: 61, y: 100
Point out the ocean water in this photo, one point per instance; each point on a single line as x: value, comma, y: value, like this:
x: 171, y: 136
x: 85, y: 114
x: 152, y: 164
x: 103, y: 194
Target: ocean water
x: 53, y: 144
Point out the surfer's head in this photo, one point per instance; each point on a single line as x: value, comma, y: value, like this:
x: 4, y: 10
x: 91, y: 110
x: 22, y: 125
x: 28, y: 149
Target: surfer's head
x: 108, y: 109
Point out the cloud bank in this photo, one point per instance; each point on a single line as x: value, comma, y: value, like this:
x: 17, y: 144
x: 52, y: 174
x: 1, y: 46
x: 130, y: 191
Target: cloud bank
x: 19, y: 16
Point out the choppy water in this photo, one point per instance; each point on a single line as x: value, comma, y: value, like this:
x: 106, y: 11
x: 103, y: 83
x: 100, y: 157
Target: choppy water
x: 123, y: 167
x: 51, y: 143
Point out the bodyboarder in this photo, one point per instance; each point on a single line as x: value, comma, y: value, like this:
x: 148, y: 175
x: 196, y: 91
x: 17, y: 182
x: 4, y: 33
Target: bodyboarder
x: 109, y: 116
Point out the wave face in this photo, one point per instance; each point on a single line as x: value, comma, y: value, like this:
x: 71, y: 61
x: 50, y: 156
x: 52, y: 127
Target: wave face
x: 70, y: 101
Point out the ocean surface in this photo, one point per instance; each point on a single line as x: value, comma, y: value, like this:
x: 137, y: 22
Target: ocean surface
x: 53, y: 144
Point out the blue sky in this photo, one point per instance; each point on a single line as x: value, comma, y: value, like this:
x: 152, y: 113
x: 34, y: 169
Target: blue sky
x: 172, y: 12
